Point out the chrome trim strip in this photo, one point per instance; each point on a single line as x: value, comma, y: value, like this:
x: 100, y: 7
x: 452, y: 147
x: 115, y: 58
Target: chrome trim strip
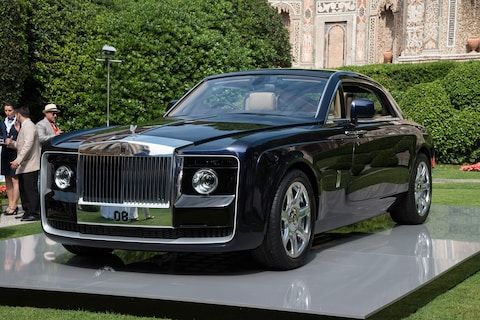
x: 76, y: 235
x: 322, y: 98
x: 129, y: 184
x: 44, y: 188
x: 189, y: 201
x: 330, y: 103
x: 227, y: 239
x: 125, y: 204
x: 143, y: 145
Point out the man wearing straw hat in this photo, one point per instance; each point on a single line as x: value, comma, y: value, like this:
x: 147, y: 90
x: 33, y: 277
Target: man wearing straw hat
x: 47, y: 127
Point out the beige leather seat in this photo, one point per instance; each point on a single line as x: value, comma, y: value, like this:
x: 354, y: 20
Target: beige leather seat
x: 349, y: 97
x: 260, y: 101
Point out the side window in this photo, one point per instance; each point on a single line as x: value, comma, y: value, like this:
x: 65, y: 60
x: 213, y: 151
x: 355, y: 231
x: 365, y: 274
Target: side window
x: 382, y: 106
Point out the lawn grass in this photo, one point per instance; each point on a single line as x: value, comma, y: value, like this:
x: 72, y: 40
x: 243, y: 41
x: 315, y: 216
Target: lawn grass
x: 457, y: 194
x: 461, y: 302
x: 20, y: 230
x: 449, y: 171
x: 21, y: 313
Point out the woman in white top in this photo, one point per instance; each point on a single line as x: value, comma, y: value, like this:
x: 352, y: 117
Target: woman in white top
x: 9, y: 129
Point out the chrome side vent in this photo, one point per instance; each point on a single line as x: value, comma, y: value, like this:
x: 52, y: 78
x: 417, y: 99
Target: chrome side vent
x: 125, y: 180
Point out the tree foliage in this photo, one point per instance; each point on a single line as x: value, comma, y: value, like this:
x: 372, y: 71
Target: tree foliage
x: 13, y: 50
x: 165, y: 47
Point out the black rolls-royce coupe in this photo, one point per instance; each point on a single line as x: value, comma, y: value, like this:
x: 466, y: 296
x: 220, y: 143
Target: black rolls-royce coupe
x: 257, y: 160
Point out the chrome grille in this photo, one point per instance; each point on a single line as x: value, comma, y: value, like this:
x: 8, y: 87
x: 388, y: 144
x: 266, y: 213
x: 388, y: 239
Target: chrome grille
x: 125, y: 180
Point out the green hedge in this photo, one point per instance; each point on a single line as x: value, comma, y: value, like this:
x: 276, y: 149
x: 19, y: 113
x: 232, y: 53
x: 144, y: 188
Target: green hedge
x: 444, y: 97
x: 397, y: 78
x: 13, y: 50
x: 166, y: 47
x: 49, y: 49
x: 462, y: 84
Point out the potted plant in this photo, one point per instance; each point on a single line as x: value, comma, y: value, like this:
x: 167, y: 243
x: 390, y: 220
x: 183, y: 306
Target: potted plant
x: 473, y: 43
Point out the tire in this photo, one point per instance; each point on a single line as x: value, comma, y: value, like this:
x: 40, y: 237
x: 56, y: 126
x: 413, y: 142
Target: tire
x: 87, y: 251
x: 414, y: 206
x: 292, y: 220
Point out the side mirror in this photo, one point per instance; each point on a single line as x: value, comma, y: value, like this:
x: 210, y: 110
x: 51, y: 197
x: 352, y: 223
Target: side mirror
x: 171, y: 104
x: 361, y: 108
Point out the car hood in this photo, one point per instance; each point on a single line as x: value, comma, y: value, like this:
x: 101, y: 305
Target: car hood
x: 182, y: 131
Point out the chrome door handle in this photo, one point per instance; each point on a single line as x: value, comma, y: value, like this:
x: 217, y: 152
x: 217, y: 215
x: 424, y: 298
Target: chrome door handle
x: 350, y: 132
x: 361, y: 132
x: 355, y: 132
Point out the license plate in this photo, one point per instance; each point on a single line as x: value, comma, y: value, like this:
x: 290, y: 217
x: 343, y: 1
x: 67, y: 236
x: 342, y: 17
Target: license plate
x: 126, y: 216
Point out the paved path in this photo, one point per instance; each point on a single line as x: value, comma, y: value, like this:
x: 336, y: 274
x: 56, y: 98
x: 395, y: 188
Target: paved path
x: 456, y: 180
x: 7, y: 221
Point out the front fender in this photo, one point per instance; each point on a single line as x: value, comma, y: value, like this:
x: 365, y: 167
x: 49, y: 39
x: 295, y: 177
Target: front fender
x: 271, y: 167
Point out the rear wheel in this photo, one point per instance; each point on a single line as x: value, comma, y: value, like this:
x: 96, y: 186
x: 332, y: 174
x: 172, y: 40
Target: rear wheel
x: 87, y: 251
x: 414, y: 206
x: 290, y: 227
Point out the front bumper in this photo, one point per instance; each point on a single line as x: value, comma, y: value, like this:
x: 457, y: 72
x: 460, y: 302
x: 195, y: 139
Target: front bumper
x: 211, y: 228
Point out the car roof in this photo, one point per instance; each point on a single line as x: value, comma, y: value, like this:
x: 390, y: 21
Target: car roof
x: 319, y: 73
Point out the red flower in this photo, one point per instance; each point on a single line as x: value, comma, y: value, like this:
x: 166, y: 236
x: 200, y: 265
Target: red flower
x: 3, y: 189
x: 471, y: 167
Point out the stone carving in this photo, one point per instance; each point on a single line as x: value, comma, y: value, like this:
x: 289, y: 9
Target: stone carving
x: 415, y: 26
x: 361, y: 31
x: 377, y: 5
x: 336, y: 6
x: 308, y: 7
x: 308, y: 14
x: 372, y: 39
x: 430, y: 33
x: 452, y: 21
x: 293, y: 7
x: 296, y: 41
x: 307, y: 52
x: 418, y: 30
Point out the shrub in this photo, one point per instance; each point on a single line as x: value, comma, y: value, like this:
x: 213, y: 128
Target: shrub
x: 13, y: 50
x: 462, y: 84
x: 456, y: 134
x: 64, y: 39
x: 166, y: 47
x: 397, y: 78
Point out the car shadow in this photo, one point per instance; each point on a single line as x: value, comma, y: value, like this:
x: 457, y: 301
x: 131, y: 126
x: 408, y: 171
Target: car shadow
x: 233, y: 263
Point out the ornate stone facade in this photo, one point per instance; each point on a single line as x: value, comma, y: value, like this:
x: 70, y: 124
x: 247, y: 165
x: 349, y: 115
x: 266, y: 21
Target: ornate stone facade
x: 332, y: 33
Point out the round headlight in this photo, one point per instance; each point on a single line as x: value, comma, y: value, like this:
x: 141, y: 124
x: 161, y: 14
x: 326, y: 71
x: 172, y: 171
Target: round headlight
x: 63, y: 177
x: 205, y: 181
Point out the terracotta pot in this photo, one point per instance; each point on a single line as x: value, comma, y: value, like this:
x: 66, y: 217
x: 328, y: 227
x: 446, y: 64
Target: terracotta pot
x: 387, y: 57
x: 473, y: 43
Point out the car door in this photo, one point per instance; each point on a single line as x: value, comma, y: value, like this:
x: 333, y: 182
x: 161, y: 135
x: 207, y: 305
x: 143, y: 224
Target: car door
x: 334, y: 162
x: 381, y: 153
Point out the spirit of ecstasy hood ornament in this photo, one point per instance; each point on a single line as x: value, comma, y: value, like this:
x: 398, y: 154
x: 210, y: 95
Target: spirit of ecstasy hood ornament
x: 133, y: 127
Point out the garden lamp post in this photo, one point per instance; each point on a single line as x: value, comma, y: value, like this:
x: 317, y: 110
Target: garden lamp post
x: 107, y: 54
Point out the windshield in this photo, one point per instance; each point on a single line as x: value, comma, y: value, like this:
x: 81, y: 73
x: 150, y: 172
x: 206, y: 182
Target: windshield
x: 297, y: 96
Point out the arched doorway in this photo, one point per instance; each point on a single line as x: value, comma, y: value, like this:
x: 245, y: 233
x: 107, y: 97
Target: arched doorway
x: 285, y: 19
x: 335, y: 45
x: 386, y: 32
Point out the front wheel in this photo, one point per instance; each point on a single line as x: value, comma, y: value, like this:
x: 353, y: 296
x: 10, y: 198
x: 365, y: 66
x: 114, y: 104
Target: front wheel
x: 290, y: 225
x: 414, y: 206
